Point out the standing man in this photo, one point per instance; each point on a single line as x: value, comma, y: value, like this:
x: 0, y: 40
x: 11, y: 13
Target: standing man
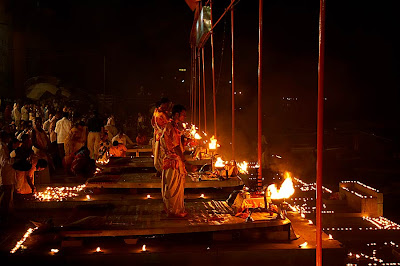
x: 174, y: 172
x: 161, y: 117
x: 7, y: 179
x: 25, y: 113
x: 17, y: 115
x: 95, y: 128
x: 63, y: 126
x: 41, y: 145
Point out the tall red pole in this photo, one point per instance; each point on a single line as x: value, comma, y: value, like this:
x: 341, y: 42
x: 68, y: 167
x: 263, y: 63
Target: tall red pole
x: 199, y: 66
x: 204, y: 93
x: 191, y: 86
x: 213, y: 74
x: 259, y: 135
x: 233, y: 86
x: 195, y: 86
x: 320, y: 130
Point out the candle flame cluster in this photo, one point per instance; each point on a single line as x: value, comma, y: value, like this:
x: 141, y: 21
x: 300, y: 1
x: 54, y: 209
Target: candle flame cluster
x: 242, y: 167
x: 23, y: 239
x: 193, y: 133
x: 286, y: 190
x: 103, y: 161
x: 58, y: 193
x: 213, y: 143
x: 382, y: 223
x: 219, y: 163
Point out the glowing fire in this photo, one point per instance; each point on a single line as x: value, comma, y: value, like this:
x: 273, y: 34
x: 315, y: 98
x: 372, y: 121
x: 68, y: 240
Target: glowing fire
x: 98, y: 249
x: 103, y: 161
x: 219, y: 163
x: 144, y: 248
x: 58, y: 193
x: 242, y: 167
x: 213, y: 143
x: 194, y: 133
x: 286, y: 190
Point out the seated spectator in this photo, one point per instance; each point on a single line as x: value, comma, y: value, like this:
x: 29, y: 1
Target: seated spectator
x: 121, y: 137
x: 141, y: 139
x: 118, y: 150
x: 82, y: 165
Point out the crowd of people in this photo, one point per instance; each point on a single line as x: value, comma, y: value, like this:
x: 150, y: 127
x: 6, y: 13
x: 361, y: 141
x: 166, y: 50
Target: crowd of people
x: 41, y: 140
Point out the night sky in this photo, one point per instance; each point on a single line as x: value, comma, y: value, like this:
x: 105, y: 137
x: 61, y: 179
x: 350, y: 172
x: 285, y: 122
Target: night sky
x: 146, y: 42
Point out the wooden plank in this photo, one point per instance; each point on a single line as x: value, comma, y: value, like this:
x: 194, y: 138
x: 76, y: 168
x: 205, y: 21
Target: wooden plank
x: 150, y: 180
x: 148, y: 219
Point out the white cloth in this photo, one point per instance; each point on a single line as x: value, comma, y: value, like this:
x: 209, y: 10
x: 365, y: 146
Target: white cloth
x: 63, y: 127
x: 122, y: 138
x: 16, y: 114
x: 24, y: 114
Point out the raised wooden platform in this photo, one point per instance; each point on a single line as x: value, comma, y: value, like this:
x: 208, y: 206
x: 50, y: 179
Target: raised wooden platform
x: 148, y: 218
x: 150, y: 180
x: 137, y: 150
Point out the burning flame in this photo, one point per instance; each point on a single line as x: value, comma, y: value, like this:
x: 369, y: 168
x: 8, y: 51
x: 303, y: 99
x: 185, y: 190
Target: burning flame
x: 103, y: 161
x: 98, y: 249
x: 285, y: 191
x: 219, y: 163
x: 144, y: 248
x: 194, y: 133
x: 242, y: 167
x: 213, y: 143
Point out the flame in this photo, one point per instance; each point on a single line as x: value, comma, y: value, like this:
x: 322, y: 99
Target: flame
x: 219, y: 163
x: 98, y: 249
x: 213, y: 143
x: 103, y: 161
x: 144, y: 248
x: 285, y: 191
x: 242, y: 167
x: 194, y: 133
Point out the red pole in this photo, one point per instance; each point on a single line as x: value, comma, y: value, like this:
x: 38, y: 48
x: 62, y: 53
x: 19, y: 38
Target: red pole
x: 233, y: 86
x: 204, y: 94
x: 195, y: 86
x: 259, y: 135
x: 213, y: 75
x: 198, y: 63
x: 320, y: 130
x: 191, y: 86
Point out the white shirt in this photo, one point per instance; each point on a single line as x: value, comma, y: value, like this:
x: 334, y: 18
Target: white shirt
x: 63, y: 127
x: 122, y: 138
x: 24, y: 114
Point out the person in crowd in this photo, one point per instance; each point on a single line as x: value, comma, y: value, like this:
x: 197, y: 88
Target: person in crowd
x: 22, y: 165
x: 27, y: 128
x: 141, y: 138
x: 104, y: 147
x: 46, y: 124
x: 121, y: 137
x: 7, y: 179
x: 159, y: 121
x: 82, y: 165
x: 173, y: 170
x: 118, y: 149
x: 110, y: 128
x: 7, y: 114
x: 53, y: 141
x: 25, y: 113
x: 41, y: 144
x: 16, y: 113
x: 74, y: 141
x: 63, y: 126
x: 95, y: 128
x: 140, y: 122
